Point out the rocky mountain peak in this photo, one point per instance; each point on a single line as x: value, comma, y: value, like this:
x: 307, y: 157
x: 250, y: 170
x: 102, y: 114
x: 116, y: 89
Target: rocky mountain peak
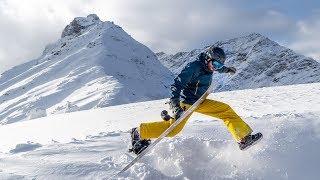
x: 78, y: 24
x: 96, y: 64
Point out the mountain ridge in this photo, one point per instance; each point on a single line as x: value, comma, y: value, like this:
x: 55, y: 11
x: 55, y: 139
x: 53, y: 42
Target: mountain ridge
x: 94, y: 64
x: 260, y: 62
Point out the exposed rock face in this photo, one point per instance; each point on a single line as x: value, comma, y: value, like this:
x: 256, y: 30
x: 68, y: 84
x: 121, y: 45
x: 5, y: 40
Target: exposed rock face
x: 79, y: 24
x: 95, y: 64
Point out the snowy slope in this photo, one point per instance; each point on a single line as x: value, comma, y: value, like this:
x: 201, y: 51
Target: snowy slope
x: 94, y: 64
x: 260, y: 62
x: 92, y: 144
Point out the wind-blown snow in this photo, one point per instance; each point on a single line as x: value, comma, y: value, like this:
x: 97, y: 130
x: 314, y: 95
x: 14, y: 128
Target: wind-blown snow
x: 95, y: 64
x: 93, y: 144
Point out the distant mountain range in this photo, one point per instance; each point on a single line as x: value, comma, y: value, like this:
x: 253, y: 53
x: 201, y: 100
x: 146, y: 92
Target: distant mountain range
x: 97, y: 64
x: 260, y: 62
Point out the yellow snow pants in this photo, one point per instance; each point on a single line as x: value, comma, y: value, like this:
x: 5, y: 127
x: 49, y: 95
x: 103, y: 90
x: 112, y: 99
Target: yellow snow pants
x: 236, y: 126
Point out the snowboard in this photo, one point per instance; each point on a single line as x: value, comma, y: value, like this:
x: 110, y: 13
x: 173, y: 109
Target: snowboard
x: 167, y: 131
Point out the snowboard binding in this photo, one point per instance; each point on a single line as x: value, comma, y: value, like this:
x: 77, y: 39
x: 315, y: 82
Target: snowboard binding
x: 138, y: 144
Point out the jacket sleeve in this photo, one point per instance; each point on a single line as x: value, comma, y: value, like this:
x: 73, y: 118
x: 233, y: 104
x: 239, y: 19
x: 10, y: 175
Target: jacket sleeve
x: 181, y: 81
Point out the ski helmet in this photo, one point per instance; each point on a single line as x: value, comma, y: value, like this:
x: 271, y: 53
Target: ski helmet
x: 216, y: 53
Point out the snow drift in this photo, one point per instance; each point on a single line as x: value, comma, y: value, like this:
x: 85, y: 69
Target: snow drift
x: 93, y: 144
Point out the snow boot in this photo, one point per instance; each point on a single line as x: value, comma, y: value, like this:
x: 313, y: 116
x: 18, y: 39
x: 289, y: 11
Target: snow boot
x: 138, y: 144
x: 249, y: 141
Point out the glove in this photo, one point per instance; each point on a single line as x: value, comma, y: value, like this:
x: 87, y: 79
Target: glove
x: 231, y: 70
x: 165, y: 116
x: 176, y: 108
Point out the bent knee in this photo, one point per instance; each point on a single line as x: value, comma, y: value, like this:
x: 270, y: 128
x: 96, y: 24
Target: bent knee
x: 221, y: 105
x: 225, y: 106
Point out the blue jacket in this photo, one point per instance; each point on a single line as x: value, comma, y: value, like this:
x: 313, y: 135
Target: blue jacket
x: 193, y: 81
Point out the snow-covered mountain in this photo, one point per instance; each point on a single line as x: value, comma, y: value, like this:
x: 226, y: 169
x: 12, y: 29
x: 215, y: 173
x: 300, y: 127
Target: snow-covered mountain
x: 260, y: 62
x: 94, y: 64
x: 93, y: 144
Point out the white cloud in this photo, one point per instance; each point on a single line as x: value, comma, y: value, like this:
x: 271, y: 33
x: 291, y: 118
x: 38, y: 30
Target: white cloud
x: 27, y: 26
x: 171, y: 26
x: 184, y: 24
x: 307, y: 37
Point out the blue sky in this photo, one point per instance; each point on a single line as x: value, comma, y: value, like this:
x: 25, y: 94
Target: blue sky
x: 162, y: 25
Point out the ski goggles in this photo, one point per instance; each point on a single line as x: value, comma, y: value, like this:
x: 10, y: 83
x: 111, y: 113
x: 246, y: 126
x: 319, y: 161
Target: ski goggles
x: 217, y: 65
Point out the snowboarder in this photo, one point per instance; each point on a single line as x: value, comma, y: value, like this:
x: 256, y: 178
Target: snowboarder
x: 187, y: 88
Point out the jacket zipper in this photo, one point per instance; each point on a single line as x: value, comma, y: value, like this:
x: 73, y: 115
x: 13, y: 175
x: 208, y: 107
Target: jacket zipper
x: 195, y: 93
